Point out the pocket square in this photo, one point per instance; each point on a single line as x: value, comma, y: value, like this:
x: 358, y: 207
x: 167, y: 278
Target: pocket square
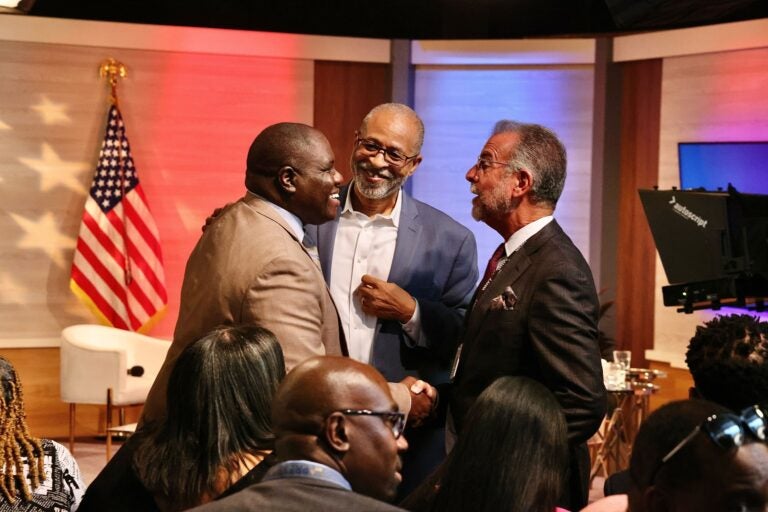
x: 504, y: 302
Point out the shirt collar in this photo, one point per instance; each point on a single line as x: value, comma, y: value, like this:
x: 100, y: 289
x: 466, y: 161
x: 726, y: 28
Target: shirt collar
x: 520, y: 236
x: 293, y: 221
x: 393, y: 216
x: 306, y: 469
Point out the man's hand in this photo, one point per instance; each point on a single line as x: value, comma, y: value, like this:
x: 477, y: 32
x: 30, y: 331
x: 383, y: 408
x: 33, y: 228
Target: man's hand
x: 385, y: 300
x: 423, y: 400
x: 213, y: 216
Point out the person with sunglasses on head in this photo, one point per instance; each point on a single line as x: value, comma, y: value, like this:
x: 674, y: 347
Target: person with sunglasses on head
x: 699, y: 456
x: 728, y: 360
x: 400, y: 271
x: 338, y: 441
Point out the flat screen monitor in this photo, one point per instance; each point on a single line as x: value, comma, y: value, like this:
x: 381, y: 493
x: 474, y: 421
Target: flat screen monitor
x: 713, y: 165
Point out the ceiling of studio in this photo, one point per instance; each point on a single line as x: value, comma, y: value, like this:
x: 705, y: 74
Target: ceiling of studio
x: 416, y: 19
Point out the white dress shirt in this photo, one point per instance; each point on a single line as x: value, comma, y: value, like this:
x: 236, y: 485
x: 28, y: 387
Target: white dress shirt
x: 364, y: 245
x: 522, y: 235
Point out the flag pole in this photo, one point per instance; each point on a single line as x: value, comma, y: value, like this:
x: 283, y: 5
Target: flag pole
x: 112, y: 70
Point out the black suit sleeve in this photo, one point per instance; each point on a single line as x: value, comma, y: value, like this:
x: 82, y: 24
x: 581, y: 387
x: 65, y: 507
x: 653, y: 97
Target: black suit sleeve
x: 563, y: 336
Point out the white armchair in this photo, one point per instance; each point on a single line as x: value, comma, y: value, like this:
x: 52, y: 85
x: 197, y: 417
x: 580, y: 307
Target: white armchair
x: 98, y: 364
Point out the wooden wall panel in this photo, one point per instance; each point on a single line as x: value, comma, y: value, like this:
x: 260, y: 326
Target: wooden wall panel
x: 675, y: 386
x: 639, y: 162
x: 344, y: 93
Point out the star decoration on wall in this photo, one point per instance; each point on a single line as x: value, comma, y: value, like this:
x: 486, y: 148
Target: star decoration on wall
x: 12, y: 291
x: 54, y: 171
x: 52, y: 113
x: 45, y: 235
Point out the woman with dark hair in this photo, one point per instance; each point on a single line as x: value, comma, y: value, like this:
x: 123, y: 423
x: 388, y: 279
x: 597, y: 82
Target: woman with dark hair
x: 217, y: 432
x: 511, y: 456
x: 35, y: 474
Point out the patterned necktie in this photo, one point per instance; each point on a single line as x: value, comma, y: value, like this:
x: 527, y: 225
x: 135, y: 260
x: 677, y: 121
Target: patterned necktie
x: 493, y: 265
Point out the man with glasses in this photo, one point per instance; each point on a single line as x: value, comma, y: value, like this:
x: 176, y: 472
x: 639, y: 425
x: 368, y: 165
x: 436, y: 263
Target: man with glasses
x: 338, y: 440
x: 250, y: 266
x: 698, y: 456
x: 400, y: 272
x: 535, y: 311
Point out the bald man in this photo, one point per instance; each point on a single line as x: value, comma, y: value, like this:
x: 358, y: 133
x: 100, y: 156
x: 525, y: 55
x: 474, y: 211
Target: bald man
x: 338, y: 439
x: 250, y: 265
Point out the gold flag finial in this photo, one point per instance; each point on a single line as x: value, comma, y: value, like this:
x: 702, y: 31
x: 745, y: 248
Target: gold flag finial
x: 112, y: 69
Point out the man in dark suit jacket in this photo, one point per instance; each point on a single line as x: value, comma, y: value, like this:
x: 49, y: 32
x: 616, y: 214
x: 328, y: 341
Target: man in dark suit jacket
x: 338, y: 437
x: 401, y: 272
x: 535, y: 312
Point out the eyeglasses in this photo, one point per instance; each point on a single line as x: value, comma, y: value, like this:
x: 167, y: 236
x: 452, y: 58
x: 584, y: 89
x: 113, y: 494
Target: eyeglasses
x: 483, y: 164
x: 392, y: 156
x: 396, y: 420
x: 725, y: 430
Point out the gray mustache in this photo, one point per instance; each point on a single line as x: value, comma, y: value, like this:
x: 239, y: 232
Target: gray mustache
x: 384, y: 173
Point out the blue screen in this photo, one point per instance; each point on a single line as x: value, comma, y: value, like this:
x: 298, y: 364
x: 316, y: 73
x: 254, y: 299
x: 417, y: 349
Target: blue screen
x: 713, y: 165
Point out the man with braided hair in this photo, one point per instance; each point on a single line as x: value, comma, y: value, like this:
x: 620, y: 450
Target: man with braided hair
x: 728, y: 358
x: 35, y: 474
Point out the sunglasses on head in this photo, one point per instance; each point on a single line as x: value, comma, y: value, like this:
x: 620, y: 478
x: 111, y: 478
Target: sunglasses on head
x: 726, y: 430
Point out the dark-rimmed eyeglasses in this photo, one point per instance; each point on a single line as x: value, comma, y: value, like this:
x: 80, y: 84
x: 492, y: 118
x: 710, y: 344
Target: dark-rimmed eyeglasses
x: 392, y: 156
x: 395, y: 420
x: 726, y: 430
x: 483, y: 164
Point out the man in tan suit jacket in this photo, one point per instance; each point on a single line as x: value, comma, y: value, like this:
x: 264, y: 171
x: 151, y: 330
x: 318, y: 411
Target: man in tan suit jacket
x: 250, y: 265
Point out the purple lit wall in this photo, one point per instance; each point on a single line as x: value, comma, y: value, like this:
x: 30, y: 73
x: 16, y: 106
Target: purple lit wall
x: 460, y: 105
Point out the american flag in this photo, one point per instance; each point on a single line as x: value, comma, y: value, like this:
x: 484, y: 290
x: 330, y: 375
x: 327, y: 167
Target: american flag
x: 117, y: 270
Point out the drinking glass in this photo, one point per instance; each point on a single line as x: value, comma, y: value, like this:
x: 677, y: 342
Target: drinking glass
x: 623, y: 357
x: 614, y: 377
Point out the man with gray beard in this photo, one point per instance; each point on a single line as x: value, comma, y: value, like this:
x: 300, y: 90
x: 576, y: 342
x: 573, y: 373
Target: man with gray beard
x: 535, y: 312
x: 401, y: 273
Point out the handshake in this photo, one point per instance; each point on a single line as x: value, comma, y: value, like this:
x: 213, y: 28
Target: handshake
x: 423, y: 399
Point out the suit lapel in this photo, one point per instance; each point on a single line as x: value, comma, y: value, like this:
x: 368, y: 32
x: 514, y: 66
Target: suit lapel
x: 407, y: 240
x: 509, y: 274
x: 261, y: 207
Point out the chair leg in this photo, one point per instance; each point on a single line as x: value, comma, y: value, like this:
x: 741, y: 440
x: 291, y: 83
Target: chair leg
x: 109, y: 423
x: 72, y: 428
x: 121, y: 415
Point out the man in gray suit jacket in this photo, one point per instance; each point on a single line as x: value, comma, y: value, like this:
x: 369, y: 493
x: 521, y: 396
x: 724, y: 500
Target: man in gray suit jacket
x: 338, y: 437
x: 535, y: 311
x: 400, y: 272
x: 250, y: 265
